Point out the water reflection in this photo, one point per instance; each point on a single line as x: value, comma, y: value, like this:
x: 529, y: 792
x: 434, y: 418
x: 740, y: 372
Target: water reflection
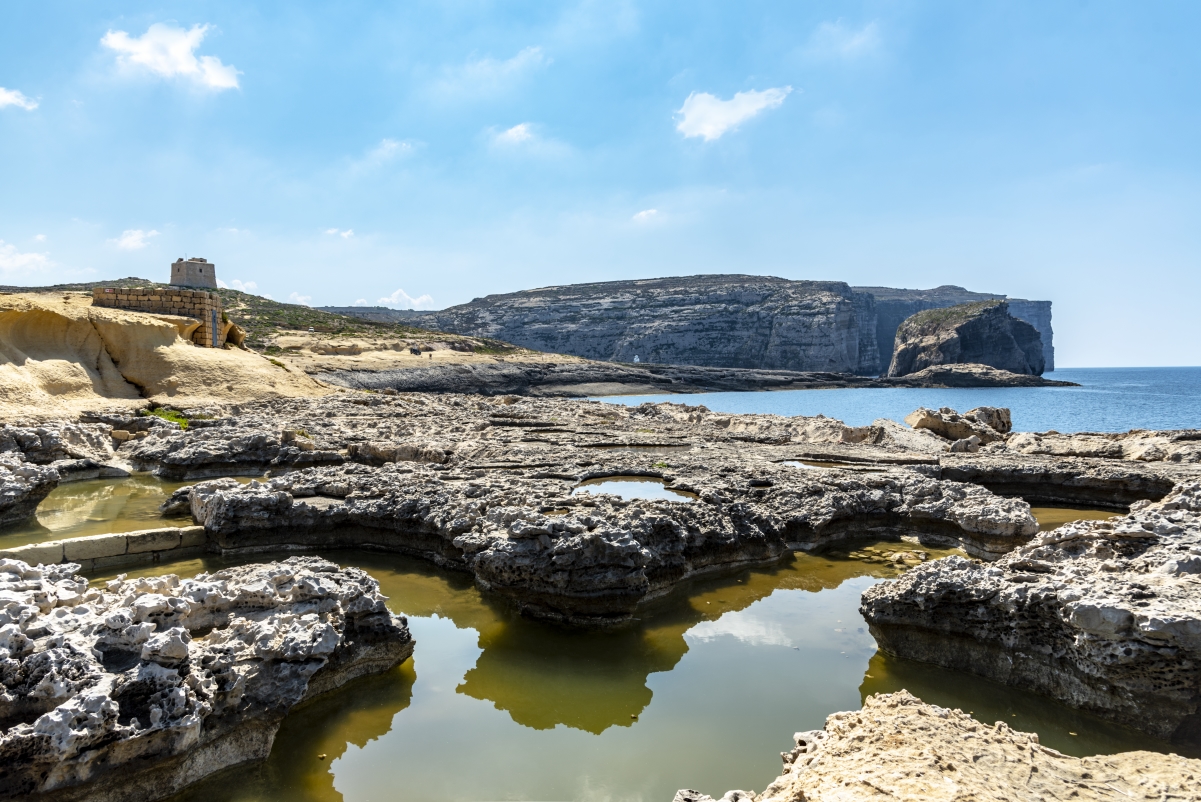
x: 632, y: 487
x: 98, y: 507
x: 703, y: 691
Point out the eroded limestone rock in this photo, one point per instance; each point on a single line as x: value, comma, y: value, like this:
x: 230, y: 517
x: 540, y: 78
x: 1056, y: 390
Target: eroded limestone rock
x: 981, y: 423
x: 22, y: 487
x: 133, y: 690
x: 899, y: 748
x: 591, y: 558
x: 1102, y: 615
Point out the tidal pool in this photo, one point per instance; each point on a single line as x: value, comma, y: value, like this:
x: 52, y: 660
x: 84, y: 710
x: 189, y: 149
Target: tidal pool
x: 1053, y: 517
x: 703, y: 692
x: 632, y: 487
x: 97, y: 507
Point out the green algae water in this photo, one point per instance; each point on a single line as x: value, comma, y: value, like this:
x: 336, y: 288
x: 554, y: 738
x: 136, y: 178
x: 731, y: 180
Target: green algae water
x: 98, y: 507
x: 703, y: 692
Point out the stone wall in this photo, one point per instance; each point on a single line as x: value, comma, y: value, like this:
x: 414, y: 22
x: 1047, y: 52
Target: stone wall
x: 122, y: 548
x: 203, y: 306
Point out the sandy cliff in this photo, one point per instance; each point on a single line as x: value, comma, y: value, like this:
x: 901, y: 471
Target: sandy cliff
x: 59, y: 355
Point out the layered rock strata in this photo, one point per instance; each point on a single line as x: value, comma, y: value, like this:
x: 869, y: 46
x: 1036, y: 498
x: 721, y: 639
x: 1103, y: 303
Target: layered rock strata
x: 899, y: 748
x: 134, y: 690
x: 980, y: 333
x: 1102, y: 615
x: 592, y: 558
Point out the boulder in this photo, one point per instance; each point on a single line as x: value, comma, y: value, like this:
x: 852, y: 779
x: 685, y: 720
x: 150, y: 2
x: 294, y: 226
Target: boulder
x: 899, y: 748
x: 982, y: 333
x: 1102, y: 615
x: 950, y: 425
x: 136, y: 689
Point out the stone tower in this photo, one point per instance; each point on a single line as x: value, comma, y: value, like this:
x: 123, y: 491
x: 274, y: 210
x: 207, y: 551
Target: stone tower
x: 194, y: 272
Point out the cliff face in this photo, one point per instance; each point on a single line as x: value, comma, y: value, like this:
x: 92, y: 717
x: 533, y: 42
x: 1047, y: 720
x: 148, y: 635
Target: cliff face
x: 894, y: 306
x: 717, y: 321
x: 980, y: 333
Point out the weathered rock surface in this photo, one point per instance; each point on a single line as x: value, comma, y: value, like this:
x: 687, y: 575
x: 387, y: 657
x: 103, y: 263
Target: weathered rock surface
x: 981, y: 333
x: 51, y: 442
x: 132, y: 691
x: 22, y: 487
x: 1139, y: 445
x: 588, y: 558
x: 986, y: 424
x: 898, y: 748
x: 218, y: 451
x: 1102, y: 615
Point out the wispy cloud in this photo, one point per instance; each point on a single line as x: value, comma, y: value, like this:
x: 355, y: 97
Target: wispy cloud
x: 708, y: 116
x: 386, y: 152
x: 241, y: 286
x: 402, y: 300
x: 13, y: 97
x: 39, y: 238
x: 169, y: 51
x: 297, y: 298
x: 488, y: 76
x: 133, y: 239
x: 519, y: 133
x: 645, y: 216
x: 346, y: 233
x: 834, y: 40
x: 14, y: 263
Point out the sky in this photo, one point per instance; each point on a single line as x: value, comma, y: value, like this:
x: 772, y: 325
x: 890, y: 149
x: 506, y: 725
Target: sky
x: 421, y: 154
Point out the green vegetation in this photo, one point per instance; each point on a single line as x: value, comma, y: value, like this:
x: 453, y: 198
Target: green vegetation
x: 660, y: 465
x: 278, y: 364
x: 947, y: 316
x: 167, y: 414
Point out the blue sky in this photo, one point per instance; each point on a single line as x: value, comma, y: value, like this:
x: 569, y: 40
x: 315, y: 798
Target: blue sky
x: 430, y: 153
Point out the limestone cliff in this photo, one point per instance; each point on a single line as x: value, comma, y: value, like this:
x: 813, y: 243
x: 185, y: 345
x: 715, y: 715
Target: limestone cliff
x: 718, y: 321
x: 894, y: 306
x: 982, y: 333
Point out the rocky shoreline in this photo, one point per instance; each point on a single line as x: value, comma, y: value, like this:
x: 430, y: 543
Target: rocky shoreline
x: 135, y: 690
x: 581, y: 378
x: 1099, y: 614
x: 899, y: 748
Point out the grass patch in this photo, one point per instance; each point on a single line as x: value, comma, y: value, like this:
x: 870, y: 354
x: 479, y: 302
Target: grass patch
x: 660, y: 465
x: 278, y: 364
x: 947, y: 316
x: 167, y: 414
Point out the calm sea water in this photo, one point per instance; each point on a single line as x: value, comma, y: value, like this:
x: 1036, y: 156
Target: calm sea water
x: 1108, y: 400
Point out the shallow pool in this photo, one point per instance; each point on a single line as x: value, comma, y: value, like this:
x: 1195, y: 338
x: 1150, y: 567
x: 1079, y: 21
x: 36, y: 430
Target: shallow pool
x: 703, y: 692
x: 632, y: 487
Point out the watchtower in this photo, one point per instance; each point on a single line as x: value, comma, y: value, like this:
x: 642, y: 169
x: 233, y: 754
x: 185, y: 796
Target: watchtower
x: 194, y: 272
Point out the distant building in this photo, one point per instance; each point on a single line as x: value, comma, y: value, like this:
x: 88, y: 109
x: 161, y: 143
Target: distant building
x: 195, y: 272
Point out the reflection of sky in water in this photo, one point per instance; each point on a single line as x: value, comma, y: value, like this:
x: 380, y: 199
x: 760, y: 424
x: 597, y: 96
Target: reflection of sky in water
x: 631, y: 488
x: 703, y: 692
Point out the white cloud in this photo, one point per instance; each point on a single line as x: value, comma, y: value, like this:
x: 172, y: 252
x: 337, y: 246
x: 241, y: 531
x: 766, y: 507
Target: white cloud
x: 488, y: 76
x: 402, y: 300
x: 708, y: 116
x: 241, y: 286
x: 645, y: 216
x: 361, y: 302
x: 515, y: 135
x: 744, y: 626
x: 168, y: 51
x: 838, y: 41
x: 39, y: 238
x: 133, y: 239
x: 343, y: 233
x: 14, y: 263
x: 13, y: 97
x: 297, y: 298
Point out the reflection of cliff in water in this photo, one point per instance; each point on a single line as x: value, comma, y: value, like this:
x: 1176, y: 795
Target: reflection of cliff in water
x: 543, y: 675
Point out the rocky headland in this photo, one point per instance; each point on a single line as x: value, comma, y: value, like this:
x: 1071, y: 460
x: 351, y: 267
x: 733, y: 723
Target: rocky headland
x: 759, y: 322
x: 136, y: 689
x: 898, y: 748
x: 977, y: 333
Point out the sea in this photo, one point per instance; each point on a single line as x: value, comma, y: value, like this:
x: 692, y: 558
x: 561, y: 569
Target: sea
x: 1107, y: 400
